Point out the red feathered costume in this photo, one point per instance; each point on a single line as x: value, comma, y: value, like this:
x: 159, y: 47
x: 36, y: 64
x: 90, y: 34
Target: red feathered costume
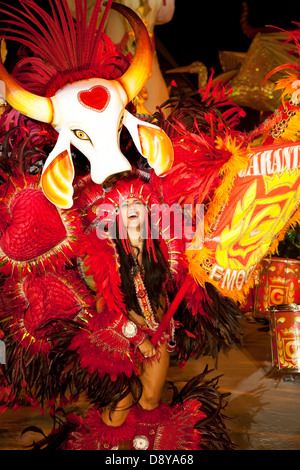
x: 63, y: 311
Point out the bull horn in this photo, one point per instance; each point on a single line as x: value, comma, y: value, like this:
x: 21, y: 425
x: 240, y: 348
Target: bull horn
x: 31, y: 105
x: 139, y: 70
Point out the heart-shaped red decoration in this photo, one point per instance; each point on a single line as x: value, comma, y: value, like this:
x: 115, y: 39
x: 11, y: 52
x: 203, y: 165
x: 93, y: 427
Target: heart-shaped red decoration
x: 96, y: 98
x: 36, y: 226
x: 49, y: 297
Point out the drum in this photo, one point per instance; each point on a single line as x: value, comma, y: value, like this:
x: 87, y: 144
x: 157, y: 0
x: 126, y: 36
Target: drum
x: 279, y: 283
x: 285, y: 337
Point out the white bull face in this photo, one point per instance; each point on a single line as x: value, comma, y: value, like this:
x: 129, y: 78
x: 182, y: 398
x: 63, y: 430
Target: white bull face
x: 89, y: 114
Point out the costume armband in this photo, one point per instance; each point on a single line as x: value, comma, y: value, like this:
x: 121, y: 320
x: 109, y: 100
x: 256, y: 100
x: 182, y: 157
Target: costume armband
x: 131, y: 331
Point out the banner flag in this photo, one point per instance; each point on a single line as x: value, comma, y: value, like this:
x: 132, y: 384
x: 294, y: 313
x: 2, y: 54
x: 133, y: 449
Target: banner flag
x: 261, y: 206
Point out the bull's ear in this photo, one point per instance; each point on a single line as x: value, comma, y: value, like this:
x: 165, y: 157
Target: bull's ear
x: 57, y: 179
x: 152, y: 142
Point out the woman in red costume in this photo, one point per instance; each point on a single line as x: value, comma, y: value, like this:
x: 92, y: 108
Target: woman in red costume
x: 144, y: 276
x: 134, y: 273
x: 140, y: 269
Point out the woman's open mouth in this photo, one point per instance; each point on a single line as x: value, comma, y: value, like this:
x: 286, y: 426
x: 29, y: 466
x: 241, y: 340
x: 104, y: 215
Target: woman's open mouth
x: 133, y: 215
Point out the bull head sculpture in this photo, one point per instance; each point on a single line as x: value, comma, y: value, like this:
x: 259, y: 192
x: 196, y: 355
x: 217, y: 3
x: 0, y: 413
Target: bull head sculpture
x: 89, y: 114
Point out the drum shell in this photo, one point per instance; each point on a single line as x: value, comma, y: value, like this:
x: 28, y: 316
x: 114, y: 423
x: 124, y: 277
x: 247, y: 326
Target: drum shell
x: 285, y: 337
x: 279, y: 284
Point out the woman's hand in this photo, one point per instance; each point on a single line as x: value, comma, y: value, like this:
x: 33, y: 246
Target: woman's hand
x: 147, y: 348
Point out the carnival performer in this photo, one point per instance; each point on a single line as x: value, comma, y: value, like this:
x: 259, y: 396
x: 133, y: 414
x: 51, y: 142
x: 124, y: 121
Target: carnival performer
x: 144, y: 281
x: 85, y: 306
x: 134, y: 272
x: 141, y: 267
x: 75, y: 339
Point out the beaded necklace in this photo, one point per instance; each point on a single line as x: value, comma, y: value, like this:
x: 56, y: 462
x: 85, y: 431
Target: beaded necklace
x: 143, y: 298
x: 146, y: 308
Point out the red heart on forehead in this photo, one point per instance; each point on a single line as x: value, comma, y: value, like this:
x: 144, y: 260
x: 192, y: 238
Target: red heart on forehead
x: 96, y: 98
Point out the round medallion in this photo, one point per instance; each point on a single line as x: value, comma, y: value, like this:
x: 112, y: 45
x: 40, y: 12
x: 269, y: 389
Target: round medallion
x: 129, y: 329
x: 141, y: 443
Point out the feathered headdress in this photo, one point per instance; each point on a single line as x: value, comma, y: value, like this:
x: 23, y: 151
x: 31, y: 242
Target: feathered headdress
x: 62, y: 50
x: 58, y: 50
x: 129, y: 187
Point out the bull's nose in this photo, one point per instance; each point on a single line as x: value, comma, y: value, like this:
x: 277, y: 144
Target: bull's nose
x: 112, y: 179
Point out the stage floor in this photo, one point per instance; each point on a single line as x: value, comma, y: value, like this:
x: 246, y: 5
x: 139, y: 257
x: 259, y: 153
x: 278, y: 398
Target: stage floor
x: 263, y: 407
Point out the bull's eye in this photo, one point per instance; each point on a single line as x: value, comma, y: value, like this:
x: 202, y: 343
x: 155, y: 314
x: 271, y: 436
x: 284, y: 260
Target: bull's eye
x: 81, y: 134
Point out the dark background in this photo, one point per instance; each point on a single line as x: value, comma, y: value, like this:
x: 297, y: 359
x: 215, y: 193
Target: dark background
x: 199, y: 29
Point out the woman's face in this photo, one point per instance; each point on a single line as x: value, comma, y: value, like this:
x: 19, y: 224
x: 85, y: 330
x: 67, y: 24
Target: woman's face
x: 133, y: 213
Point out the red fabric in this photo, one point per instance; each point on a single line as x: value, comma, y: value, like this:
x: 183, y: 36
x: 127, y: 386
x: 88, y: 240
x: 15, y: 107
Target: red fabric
x: 171, y: 427
x: 137, y: 339
x: 102, y: 349
x: 164, y: 428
